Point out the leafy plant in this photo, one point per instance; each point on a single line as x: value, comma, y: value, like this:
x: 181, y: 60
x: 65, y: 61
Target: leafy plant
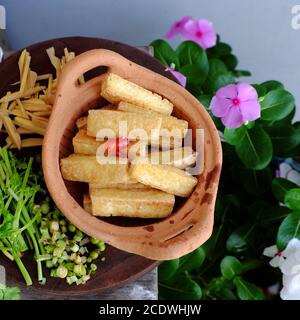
x: 27, y: 224
x: 9, y: 293
x: 248, y: 214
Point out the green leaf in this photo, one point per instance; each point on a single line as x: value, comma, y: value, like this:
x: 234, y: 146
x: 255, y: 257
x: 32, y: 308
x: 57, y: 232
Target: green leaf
x: 255, y: 150
x: 194, y: 89
x: 189, y: 52
x: 251, y: 265
x: 292, y: 199
x: 280, y: 187
x: 217, y: 81
x: 205, y: 99
x: 227, y: 207
x: 194, y: 73
x: 219, y: 50
x: 227, y: 294
x: 250, y: 124
x: 235, y: 136
x: 247, y: 290
x: 284, y: 121
x: 297, y: 126
x: 181, y: 287
x: 167, y: 269
x: 289, y: 229
x: 215, y: 246
x: 261, y: 91
x: 274, y: 215
x: 276, y: 105
x: 230, y: 61
x: 284, y: 138
x: 165, y: 53
x: 256, y: 182
x: 241, y: 73
x: 272, y: 85
x: 241, y: 238
x: 256, y: 209
x: 230, y: 267
x: 216, y: 66
x: 192, y: 261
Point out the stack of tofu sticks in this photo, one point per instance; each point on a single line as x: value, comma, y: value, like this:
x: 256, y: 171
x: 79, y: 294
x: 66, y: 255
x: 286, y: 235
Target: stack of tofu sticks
x: 141, y: 184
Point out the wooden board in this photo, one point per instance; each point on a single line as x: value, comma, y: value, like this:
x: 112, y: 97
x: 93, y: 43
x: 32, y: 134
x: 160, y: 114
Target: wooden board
x: 119, y: 267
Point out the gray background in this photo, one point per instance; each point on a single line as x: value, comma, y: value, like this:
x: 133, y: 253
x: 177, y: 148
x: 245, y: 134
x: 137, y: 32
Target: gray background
x: 259, y: 31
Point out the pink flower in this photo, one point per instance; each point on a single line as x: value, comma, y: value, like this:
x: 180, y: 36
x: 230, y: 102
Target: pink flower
x: 177, y: 27
x: 236, y: 104
x: 179, y: 76
x: 200, y: 31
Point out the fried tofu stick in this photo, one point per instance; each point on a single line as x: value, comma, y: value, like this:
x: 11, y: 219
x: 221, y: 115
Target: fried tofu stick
x: 81, y: 123
x: 113, y: 123
x: 167, y: 122
x: 164, y: 177
x: 87, y: 203
x: 148, y: 203
x: 180, y: 157
x: 125, y: 186
x: 88, y: 169
x: 166, y: 143
x: 84, y: 144
x: 116, y: 89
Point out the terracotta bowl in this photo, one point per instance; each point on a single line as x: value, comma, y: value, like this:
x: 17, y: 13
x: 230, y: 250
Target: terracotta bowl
x: 191, y: 223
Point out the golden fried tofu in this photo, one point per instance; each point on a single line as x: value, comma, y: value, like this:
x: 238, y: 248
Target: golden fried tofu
x: 164, y: 177
x: 87, y: 203
x: 87, y: 169
x: 109, y: 107
x: 170, y: 123
x: 129, y: 107
x: 166, y: 143
x: 125, y: 186
x: 112, y: 123
x: 139, y: 203
x: 81, y: 122
x: 180, y: 157
x: 84, y: 144
x: 116, y: 89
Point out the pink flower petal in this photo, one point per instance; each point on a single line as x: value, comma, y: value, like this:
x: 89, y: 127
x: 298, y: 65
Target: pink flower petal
x: 250, y: 110
x: 208, y: 39
x: 205, y: 26
x: 177, y: 27
x: 229, y: 92
x: 246, y: 92
x: 220, y: 106
x: 233, y: 118
x: 179, y: 76
x: 190, y: 27
x: 193, y: 37
x: 242, y: 101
